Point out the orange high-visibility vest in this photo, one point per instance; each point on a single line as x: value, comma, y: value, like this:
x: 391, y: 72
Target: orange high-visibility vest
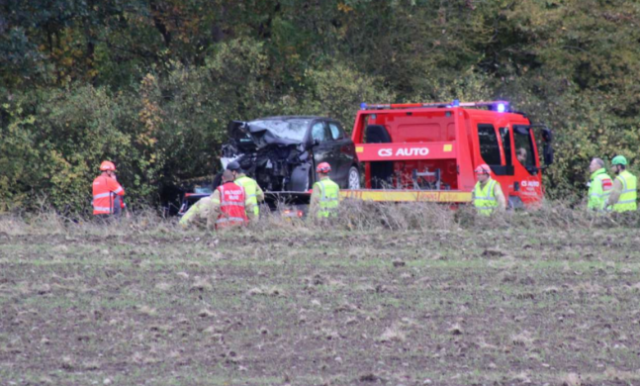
x: 105, y: 189
x: 232, y: 204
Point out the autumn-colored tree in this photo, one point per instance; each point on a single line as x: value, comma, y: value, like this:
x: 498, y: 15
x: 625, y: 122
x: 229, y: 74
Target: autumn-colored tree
x: 153, y: 83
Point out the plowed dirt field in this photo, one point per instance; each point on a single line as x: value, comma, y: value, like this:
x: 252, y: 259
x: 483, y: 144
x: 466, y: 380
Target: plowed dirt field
x: 304, y: 307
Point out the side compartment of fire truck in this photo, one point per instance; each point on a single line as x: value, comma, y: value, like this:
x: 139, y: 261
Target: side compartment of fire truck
x: 420, y: 131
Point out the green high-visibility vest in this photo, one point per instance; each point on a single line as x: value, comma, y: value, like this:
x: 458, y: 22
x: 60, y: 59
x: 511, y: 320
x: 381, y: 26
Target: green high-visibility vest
x: 629, y: 195
x: 250, y: 187
x: 599, y: 189
x: 329, y: 198
x: 484, y: 199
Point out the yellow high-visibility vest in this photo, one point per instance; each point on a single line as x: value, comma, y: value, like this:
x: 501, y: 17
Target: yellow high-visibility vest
x: 599, y: 189
x: 250, y: 187
x: 628, y: 196
x: 329, y: 198
x: 484, y: 199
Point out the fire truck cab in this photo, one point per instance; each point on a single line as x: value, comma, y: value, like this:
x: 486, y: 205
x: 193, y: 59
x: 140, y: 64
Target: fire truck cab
x: 428, y: 151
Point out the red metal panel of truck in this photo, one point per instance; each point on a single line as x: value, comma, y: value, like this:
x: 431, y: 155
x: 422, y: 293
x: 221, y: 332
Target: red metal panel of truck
x: 428, y: 152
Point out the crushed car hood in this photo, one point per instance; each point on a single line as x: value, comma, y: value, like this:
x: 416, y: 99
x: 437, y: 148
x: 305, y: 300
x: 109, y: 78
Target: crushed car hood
x: 262, y: 133
x: 263, y: 136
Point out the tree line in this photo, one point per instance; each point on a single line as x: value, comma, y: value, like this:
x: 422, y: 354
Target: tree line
x: 152, y: 84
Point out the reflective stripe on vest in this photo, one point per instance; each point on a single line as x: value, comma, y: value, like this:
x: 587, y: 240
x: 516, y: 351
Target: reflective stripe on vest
x: 329, y: 198
x: 231, y: 203
x: 484, y: 199
x: 233, y: 219
x: 250, y: 189
x: 628, y: 196
x: 102, y: 195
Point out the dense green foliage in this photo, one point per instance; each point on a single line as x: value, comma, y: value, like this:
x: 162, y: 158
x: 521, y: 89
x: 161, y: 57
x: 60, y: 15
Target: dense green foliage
x: 151, y: 84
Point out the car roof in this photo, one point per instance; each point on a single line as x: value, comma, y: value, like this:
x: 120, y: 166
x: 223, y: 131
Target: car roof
x: 290, y: 117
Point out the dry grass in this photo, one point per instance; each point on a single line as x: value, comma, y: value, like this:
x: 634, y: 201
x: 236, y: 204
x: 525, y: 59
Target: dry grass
x: 355, y: 215
x: 50, y: 223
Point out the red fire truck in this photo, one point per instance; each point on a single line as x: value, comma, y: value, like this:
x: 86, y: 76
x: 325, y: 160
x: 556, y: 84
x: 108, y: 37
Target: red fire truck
x: 428, y: 151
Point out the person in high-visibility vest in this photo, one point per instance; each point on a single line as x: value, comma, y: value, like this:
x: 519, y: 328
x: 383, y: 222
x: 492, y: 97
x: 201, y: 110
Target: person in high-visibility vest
x: 105, y: 190
x: 624, y: 194
x: 252, y: 190
x: 487, y: 194
x: 600, y: 185
x: 325, y: 197
x: 228, y: 204
x: 198, y: 213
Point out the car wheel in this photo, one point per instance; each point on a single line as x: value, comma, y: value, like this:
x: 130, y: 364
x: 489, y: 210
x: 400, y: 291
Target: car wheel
x: 354, y: 178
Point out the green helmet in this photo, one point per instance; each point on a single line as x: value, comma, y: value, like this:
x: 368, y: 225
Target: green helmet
x: 619, y: 160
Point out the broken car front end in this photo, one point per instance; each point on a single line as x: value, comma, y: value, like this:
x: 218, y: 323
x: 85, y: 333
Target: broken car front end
x: 272, y: 152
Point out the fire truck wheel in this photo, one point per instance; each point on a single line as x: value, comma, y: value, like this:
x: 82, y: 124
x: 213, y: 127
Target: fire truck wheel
x: 354, y: 178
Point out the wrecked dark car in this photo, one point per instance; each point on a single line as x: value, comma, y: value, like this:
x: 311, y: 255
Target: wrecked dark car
x: 281, y: 153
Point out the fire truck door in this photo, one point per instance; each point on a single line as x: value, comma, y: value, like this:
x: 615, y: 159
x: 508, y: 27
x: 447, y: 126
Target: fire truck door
x: 527, y: 173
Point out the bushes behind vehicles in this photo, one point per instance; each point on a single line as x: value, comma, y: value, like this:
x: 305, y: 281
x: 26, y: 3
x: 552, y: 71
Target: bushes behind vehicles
x: 152, y: 86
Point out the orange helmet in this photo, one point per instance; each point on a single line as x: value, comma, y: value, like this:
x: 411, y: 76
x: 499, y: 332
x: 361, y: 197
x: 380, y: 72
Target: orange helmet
x: 107, y: 165
x: 483, y: 169
x: 323, y: 167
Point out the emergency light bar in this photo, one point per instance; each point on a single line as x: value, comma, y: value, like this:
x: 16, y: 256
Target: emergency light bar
x: 499, y: 106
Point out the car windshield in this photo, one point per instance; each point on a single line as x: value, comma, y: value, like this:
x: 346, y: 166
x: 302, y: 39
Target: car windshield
x: 293, y: 129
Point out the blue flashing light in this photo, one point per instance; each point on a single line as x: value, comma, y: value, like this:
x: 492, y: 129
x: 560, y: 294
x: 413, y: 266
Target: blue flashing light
x: 456, y: 103
x: 501, y: 108
x: 363, y: 106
